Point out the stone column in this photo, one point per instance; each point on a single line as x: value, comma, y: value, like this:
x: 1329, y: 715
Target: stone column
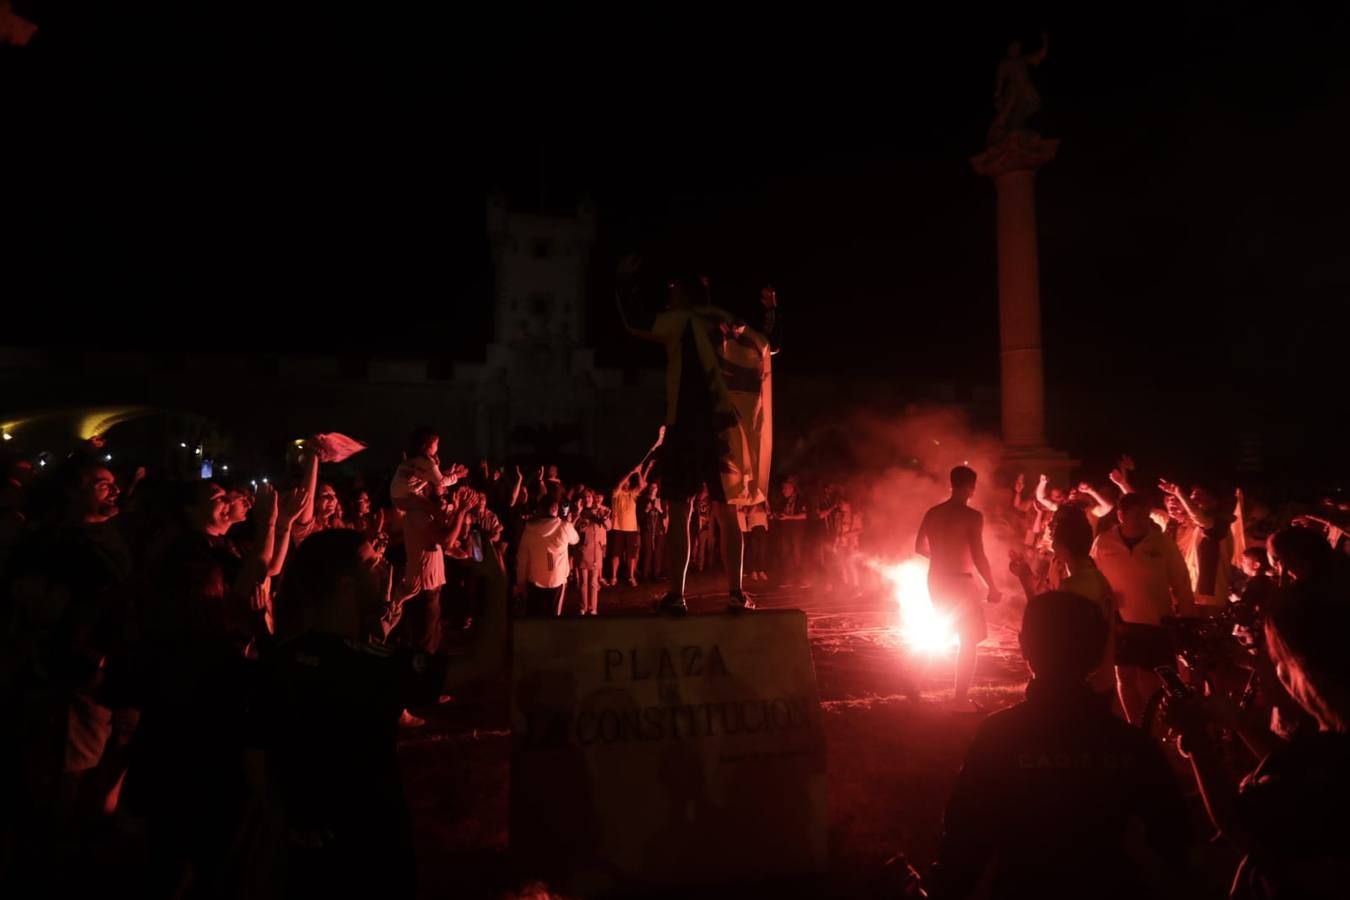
x: 1012, y: 164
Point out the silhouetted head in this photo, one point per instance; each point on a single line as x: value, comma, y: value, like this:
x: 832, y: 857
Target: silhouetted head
x: 963, y: 482
x: 1063, y: 636
x: 1132, y: 513
x: 1070, y: 533
x: 425, y: 441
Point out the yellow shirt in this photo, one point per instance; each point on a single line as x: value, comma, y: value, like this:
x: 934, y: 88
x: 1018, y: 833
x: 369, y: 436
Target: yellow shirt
x: 737, y: 367
x: 625, y: 510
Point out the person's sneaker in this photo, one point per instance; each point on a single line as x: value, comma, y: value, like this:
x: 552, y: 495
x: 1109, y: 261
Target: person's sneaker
x: 632, y: 582
x: 408, y: 720
x: 444, y: 699
x: 763, y: 576
x: 740, y: 602
x: 672, y: 605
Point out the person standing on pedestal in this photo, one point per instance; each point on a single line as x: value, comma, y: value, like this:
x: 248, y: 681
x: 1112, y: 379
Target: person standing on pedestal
x: 719, y: 420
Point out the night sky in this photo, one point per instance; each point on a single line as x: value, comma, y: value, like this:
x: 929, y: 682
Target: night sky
x: 310, y: 184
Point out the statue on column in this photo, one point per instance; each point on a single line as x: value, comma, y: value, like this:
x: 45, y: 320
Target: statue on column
x: 1015, y: 96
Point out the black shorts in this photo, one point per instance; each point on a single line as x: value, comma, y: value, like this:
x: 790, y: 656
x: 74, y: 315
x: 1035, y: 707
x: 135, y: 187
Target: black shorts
x: 692, y: 453
x: 624, y: 545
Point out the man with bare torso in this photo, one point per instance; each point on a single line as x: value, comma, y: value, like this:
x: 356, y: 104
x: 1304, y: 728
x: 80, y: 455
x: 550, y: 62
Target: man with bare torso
x: 952, y: 538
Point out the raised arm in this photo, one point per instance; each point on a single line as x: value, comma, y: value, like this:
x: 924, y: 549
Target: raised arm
x: 1042, y: 497
x: 1103, y: 507
x: 258, y: 560
x: 1121, y: 479
x: 515, y: 491
x: 136, y: 478
x: 309, y: 482
x: 1198, y: 517
x: 288, y: 510
x: 623, y: 482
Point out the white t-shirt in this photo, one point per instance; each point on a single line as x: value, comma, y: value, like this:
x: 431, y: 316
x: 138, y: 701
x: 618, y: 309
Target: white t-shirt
x: 542, y: 557
x: 1150, y: 579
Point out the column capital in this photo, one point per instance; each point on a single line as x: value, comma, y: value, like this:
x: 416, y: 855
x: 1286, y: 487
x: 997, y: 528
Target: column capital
x: 1015, y: 151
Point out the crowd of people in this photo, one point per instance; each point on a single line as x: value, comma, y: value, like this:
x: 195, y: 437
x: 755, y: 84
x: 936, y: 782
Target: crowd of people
x: 1173, y: 613
x: 171, y: 665
x: 205, y: 662
x: 219, y: 668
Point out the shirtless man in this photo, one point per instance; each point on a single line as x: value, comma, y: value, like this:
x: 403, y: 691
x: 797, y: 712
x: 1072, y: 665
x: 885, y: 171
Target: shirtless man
x: 952, y: 539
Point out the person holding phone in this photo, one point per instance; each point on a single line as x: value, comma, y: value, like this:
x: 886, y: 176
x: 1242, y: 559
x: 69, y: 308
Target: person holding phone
x: 542, y: 564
